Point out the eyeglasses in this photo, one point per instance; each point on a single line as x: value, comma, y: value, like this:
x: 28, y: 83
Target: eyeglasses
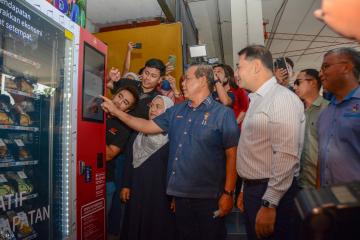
x: 297, y: 82
x: 324, y: 67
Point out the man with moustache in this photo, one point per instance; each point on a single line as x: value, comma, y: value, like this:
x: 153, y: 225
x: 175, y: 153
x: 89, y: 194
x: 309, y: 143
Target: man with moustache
x: 339, y: 124
x: 203, y: 137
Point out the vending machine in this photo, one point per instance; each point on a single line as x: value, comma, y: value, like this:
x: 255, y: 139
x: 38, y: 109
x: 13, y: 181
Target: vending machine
x: 52, y: 129
x: 90, y: 184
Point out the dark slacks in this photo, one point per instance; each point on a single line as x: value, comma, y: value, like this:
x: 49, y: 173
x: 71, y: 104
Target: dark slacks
x: 195, y: 221
x: 285, y: 212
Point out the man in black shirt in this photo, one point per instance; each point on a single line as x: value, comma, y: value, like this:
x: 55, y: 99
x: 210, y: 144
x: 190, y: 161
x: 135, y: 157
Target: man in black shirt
x: 117, y: 135
x: 153, y: 71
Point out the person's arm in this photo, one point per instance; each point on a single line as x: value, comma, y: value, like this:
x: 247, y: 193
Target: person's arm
x: 173, y: 86
x: 112, y: 151
x: 240, y: 117
x: 126, y: 183
x: 137, y: 124
x: 226, y: 200
x: 286, y: 124
x: 224, y: 97
x: 230, y: 139
x: 285, y: 133
x: 230, y: 169
x: 243, y: 106
x: 282, y: 76
x: 127, y: 62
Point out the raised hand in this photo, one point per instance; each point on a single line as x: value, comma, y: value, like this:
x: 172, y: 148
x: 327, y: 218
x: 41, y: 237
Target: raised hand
x: 108, y: 106
x: 131, y: 46
x: 169, y: 68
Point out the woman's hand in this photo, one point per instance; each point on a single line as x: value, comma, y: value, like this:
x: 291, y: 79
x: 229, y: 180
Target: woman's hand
x: 125, y: 194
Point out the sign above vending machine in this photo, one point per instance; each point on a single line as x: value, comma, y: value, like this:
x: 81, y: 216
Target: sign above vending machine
x: 74, y: 9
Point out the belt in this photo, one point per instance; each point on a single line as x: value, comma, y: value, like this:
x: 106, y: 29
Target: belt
x: 255, y: 181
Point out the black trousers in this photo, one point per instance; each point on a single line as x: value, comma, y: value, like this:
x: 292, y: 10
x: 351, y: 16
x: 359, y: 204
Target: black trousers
x: 285, y: 212
x: 195, y: 220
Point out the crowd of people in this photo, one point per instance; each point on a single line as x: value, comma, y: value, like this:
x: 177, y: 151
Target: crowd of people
x: 180, y: 149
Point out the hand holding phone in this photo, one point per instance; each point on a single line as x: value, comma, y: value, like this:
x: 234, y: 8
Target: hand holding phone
x: 280, y: 63
x: 172, y: 60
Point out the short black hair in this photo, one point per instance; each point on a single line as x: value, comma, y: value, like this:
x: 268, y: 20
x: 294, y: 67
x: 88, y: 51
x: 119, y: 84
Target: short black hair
x: 313, y: 73
x: 258, y: 52
x: 158, y: 64
x: 141, y: 70
x: 133, y: 92
x: 232, y: 82
x: 351, y: 54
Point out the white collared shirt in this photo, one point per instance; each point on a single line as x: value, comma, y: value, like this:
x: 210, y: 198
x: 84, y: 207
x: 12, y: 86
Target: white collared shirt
x: 272, y: 138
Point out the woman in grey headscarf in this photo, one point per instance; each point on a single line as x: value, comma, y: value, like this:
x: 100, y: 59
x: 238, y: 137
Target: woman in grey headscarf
x: 148, y: 215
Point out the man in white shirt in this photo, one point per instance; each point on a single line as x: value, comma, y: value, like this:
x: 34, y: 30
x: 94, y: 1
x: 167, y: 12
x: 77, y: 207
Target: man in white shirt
x: 269, y: 148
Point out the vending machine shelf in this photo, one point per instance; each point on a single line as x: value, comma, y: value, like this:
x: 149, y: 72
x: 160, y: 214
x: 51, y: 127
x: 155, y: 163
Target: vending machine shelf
x: 18, y: 163
x: 20, y: 93
x: 22, y: 128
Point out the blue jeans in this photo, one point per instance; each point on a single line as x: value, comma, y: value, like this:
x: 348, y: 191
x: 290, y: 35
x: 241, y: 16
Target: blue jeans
x: 110, y: 189
x: 115, y: 214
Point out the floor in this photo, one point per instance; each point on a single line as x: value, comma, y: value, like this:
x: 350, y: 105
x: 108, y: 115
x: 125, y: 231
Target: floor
x: 235, y: 226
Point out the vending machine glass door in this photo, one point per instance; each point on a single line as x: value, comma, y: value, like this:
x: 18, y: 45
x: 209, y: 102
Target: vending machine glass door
x: 35, y: 102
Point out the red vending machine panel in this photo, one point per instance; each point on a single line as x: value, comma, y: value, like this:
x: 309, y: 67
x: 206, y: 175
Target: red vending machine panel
x: 91, y: 139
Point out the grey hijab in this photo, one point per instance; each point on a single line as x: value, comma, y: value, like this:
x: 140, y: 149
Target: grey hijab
x: 146, y: 145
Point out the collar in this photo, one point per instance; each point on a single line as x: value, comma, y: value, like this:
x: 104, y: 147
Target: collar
x: 319, y: 100
x: 355, y: 93
x: 265, y: 88
x: 206, y: 103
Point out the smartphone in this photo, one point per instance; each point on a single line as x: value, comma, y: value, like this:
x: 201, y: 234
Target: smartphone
x: 138, y: 45
x: 280, y: 63
x: 172, y: 60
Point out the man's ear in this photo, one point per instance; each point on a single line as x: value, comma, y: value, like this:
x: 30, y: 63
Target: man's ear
x: 257, y: 65
x: 348, y: 68
x: 203, y: 81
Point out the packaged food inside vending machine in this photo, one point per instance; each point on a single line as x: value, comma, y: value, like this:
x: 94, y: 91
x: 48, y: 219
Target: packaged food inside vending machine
x: 52, y: 128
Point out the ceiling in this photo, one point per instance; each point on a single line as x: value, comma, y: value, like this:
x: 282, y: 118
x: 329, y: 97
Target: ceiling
x: 103, y: 13
x: 297, y: 34
x: 294, y: 32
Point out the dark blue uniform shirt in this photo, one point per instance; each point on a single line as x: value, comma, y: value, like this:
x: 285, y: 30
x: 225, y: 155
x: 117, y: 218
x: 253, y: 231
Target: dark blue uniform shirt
x: 339, y: 140
x: 198, y: 140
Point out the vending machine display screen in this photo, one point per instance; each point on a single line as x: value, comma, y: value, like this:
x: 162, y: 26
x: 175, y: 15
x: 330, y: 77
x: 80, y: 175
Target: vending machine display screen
x: 93, y: 84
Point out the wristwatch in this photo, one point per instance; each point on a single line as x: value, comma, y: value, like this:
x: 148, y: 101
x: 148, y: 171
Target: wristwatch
x: 267, y: 204
x: 230, y: 193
